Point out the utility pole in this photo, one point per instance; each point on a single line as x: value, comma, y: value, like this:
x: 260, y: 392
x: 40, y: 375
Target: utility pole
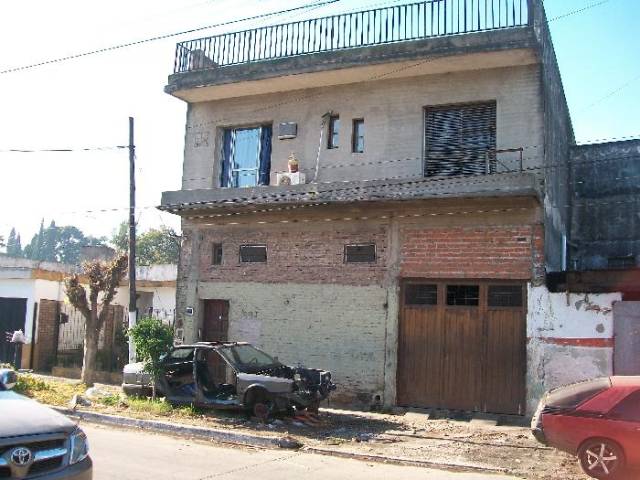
x: 132, y: 239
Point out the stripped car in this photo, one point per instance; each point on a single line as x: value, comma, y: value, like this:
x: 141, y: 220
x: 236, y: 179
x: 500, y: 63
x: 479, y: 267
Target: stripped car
x: 232, y: 375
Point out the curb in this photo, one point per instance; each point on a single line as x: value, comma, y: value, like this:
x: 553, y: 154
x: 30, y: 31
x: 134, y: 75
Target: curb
x: 225, y: 436
x: 367, y: 457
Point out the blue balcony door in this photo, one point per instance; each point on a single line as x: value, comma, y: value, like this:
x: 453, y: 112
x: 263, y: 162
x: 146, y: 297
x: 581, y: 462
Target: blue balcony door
x: 246, y: 157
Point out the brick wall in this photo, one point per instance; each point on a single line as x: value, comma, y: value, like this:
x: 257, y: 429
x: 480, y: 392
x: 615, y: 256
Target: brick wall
x: 296, y: 255
x: 472, y: 252
x: 46, y: 335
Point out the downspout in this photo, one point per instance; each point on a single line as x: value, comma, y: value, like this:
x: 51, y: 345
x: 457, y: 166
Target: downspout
x: 322, y: 124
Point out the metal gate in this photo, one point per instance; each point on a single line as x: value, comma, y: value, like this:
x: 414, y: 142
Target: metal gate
x: 12, y: 317
x: 462, y: 346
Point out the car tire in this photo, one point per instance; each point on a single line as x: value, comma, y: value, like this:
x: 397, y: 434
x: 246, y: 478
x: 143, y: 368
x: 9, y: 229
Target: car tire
x: 602, y: 458
x: 260, y: 404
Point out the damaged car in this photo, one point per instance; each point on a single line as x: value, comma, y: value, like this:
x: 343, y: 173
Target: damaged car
x: 231, y: 375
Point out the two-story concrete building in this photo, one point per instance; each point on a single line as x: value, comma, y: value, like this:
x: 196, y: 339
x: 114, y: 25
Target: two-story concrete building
x: 378, y: 193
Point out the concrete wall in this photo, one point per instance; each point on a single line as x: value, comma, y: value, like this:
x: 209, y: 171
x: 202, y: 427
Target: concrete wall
x: 558, y: 137
x: 336, y: 327
x: 394, y: 124
x: 570, y: 338
x: 606, y: 202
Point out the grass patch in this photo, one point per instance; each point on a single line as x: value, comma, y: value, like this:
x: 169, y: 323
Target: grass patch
x: 51, y: 393
x: 157, y: 408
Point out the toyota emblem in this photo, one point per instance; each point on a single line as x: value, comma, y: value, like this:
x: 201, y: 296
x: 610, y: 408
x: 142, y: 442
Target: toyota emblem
x: 21, y: 456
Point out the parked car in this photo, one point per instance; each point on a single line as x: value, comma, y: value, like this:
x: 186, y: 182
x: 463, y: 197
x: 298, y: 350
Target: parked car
x: 36, y: 441
x: 233, y: 375
x: 597, y: 420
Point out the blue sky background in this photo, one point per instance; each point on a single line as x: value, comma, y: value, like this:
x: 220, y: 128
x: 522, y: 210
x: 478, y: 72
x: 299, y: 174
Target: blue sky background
x: 86, y: 102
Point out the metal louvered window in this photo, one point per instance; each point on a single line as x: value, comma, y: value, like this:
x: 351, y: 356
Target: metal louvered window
x: 460, y: 140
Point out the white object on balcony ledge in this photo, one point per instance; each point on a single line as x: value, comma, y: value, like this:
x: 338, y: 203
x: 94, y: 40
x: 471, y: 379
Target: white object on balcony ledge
x: 287, y: 178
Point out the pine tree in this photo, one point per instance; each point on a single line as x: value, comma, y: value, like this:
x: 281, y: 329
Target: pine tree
x: 11, y: 242
x: 18, y: 248
x: 49, y: 243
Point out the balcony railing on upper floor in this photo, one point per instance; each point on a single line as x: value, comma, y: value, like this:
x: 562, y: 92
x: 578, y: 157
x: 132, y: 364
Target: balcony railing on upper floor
x: 399, y: 23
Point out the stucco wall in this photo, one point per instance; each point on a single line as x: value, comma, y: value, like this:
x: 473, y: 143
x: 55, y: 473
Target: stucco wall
x: 336, y: 327
x: 570, y: 338
x: 394, y: 122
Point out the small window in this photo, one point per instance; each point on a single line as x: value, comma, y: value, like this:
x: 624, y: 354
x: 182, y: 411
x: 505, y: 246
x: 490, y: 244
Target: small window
x: 358, y: 136
x: 622, y: 262
x: 253, y: 253
x: 360, y: 253
x: 334, y: 132
x: 627, y: 410
x: 421, y: 295
x: 505, y: 296
x: 216, y: 254
x: 463, y: 295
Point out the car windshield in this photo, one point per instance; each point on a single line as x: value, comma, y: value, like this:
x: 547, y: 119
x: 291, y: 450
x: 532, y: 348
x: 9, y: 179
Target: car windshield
x: 574, y: 395
x: 248, y: 358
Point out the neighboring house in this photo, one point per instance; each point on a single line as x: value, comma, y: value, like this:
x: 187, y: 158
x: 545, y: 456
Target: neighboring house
x: 32, y: 299
x: 408, y: 252
x: 605, y: 245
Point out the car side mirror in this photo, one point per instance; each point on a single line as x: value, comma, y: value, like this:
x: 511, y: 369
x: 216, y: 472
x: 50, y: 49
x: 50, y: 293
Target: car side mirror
x: 8, y: 378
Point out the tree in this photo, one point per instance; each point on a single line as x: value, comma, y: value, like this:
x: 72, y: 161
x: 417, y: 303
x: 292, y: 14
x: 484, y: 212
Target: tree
x: 153, y: 247
x: 104, y: 279
x: 59, y: 244
x: 158, y: 246
x: 152, y: 339
x: 14, y: 248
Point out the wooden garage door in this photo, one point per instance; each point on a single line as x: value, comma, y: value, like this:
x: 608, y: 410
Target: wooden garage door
x: 462, y: 346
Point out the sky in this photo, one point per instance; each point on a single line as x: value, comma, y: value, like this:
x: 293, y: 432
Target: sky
x: 86, y: 102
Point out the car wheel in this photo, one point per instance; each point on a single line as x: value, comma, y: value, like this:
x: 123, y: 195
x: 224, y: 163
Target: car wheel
x: 601, y: 458
x: 261, y: 405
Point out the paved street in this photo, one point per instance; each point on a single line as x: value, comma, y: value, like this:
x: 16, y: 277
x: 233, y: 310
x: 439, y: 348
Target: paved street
x: 136, y: 455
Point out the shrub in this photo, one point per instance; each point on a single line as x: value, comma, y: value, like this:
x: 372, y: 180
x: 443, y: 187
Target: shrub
x: 153, y: 339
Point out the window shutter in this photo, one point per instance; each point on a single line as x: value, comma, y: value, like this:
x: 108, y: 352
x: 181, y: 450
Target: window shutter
x: 265, y: 155
x: 460, y: 140
x: 225, y: 177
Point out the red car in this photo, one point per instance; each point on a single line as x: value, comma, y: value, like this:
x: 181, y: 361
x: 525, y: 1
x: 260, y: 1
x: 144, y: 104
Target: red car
x: 597, y: 420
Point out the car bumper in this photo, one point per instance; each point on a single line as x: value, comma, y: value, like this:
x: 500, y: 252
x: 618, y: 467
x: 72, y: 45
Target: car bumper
x: 80, y: 471
x: 136, y: 390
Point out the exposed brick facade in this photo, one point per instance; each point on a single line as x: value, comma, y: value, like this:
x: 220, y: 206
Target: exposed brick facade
x: 296, y: 255
x: 508, y: 252
x: 46, y: 335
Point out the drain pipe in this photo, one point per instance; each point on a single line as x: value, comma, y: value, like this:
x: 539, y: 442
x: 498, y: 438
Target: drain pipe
x: 324, y: 122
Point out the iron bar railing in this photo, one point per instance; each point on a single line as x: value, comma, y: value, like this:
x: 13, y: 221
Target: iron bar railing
x: 430, y: 18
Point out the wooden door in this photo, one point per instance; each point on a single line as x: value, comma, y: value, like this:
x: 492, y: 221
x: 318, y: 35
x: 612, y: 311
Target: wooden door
x: 506, y: 358
x: 462, y: 346
x: 215, y: 323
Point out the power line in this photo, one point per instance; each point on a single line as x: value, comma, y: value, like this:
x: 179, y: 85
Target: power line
x: 580, y: 10
x: 611, y: 93
x: 62, y: 150
x: 164, y: 37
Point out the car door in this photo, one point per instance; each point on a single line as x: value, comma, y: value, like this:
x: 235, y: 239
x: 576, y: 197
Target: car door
x: 177, y: 379
x: 625, y: 426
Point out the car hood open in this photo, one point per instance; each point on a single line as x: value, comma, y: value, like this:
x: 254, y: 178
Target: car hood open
x: 23, y: 416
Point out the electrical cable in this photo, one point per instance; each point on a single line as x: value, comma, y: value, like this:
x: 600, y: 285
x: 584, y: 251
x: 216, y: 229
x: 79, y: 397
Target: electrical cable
x: 164, y: 37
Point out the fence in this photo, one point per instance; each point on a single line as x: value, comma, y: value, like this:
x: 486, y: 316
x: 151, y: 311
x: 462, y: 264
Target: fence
x: 431, y: 18
x: 112, y: 344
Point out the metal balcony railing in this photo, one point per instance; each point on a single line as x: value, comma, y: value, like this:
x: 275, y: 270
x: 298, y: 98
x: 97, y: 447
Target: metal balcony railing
x: 400, y: 23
